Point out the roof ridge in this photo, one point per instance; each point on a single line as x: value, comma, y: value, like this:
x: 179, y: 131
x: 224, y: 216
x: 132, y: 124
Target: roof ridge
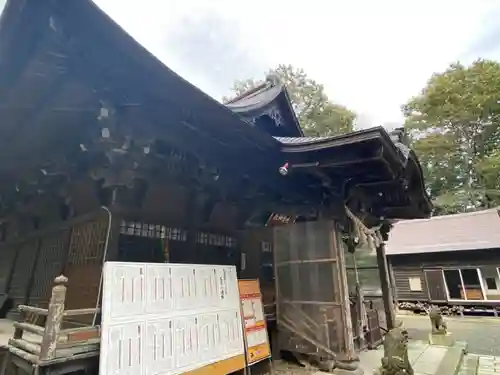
x: 451, y: 216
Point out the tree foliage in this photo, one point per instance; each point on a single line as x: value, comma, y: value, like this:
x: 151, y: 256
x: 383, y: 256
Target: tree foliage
x: 454, y: 123
x: 316, y: 113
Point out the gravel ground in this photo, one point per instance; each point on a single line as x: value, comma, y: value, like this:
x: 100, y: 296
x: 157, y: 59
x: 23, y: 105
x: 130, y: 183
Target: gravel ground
x: 482, y: 334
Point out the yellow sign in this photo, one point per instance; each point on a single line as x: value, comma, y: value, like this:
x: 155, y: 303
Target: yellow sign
x: 227, y: 366
x: 252, y: 310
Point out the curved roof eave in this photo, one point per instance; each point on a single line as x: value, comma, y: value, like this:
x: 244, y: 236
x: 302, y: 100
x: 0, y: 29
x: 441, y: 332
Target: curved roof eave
x: 307, y: 144
x: 399, y: 156
x: 262, y: 96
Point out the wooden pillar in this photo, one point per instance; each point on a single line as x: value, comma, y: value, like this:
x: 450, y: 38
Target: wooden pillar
x: 54, y: 319
x: 392, y: 281
x: 383, y: 270
x: 344, y: 295
x: 347, y: 363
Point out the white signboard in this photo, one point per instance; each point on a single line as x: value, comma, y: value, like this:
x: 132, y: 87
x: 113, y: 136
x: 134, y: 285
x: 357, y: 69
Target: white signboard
x: 160, y: 319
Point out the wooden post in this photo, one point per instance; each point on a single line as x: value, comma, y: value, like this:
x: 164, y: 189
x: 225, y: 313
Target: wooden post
x: 383, y: 270
x: 344, y: 295
x: 54, y: 318
x: 393, y: 283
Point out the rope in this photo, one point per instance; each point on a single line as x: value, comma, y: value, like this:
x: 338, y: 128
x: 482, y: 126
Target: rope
x: 365, y: 235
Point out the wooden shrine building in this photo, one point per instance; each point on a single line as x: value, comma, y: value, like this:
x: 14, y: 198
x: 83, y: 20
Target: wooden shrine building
x: 450, y: 261
x: 106, y: 154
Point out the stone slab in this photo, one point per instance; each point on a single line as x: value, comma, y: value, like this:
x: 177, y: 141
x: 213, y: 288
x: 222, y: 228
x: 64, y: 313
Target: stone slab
x: 488, y: 365
x: 441, y: 340
x: 463, y: 345
x: 358, y: 371
x: 429, y: 361
x: 469, y: 365
x: 450, y: 365
x: 425, y: 359
x: 369, y: 360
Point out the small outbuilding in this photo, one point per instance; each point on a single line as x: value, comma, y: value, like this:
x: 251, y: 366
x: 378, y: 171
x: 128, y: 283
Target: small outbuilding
x: 450, y: 260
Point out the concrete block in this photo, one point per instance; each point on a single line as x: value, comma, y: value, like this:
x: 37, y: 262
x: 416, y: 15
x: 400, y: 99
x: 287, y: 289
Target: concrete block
x: 450, y: 365
x: 339, y: 371
x: 430, y: 360
x: 469, y: 366
x: 441, y: 340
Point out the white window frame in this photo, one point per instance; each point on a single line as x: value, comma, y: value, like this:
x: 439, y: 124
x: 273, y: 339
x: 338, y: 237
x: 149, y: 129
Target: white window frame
x: 494, y: 277
x: 459, y: 269
x: 481, y: 283
x: 485, y: 287
x: 498, y: 272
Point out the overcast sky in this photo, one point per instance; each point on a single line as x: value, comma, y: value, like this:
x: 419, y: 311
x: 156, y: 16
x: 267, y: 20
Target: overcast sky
x: 370, y: 55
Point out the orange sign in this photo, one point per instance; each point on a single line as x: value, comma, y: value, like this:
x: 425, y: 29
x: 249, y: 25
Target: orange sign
x: 252, y: 310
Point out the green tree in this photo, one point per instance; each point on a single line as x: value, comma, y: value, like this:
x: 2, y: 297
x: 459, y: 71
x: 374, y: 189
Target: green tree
x: 316, y: 113
x: 454, y: 123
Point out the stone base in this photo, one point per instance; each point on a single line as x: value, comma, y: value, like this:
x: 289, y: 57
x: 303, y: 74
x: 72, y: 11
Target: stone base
x: 348, y: 368
x: 440, y: 339
x: 340, y: 371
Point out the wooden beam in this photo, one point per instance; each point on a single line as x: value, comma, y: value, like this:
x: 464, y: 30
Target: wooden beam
x: 386, y: 287
x: 344, y: 292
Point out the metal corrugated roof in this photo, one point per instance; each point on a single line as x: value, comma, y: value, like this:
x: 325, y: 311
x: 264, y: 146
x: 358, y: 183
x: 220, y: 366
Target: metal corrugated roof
x: 302, y: 140
x: 256, y: 100
x: 468, y: 231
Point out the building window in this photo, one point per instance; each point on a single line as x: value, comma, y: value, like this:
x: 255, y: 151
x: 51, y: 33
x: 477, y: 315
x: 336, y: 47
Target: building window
x: 132, y: 228
x: 491, y: 283
x: 490, y: 279
x: 415, y: 284
x: 453, y: 283
x: 472, y: 284
x: 176, y: 234
x: 215, y: 240
x: 464, y: 284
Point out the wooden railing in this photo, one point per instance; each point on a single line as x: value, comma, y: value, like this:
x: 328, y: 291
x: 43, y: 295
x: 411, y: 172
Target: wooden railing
x: 41, y: 346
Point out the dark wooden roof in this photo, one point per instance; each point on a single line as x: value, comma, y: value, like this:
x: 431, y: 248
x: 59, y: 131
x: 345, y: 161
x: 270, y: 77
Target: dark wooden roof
x: 62, y: 61
x: 269, y: 99
x: 386, y: 170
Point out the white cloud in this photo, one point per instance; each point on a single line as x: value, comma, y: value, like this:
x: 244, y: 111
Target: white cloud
x: 370, y: 55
